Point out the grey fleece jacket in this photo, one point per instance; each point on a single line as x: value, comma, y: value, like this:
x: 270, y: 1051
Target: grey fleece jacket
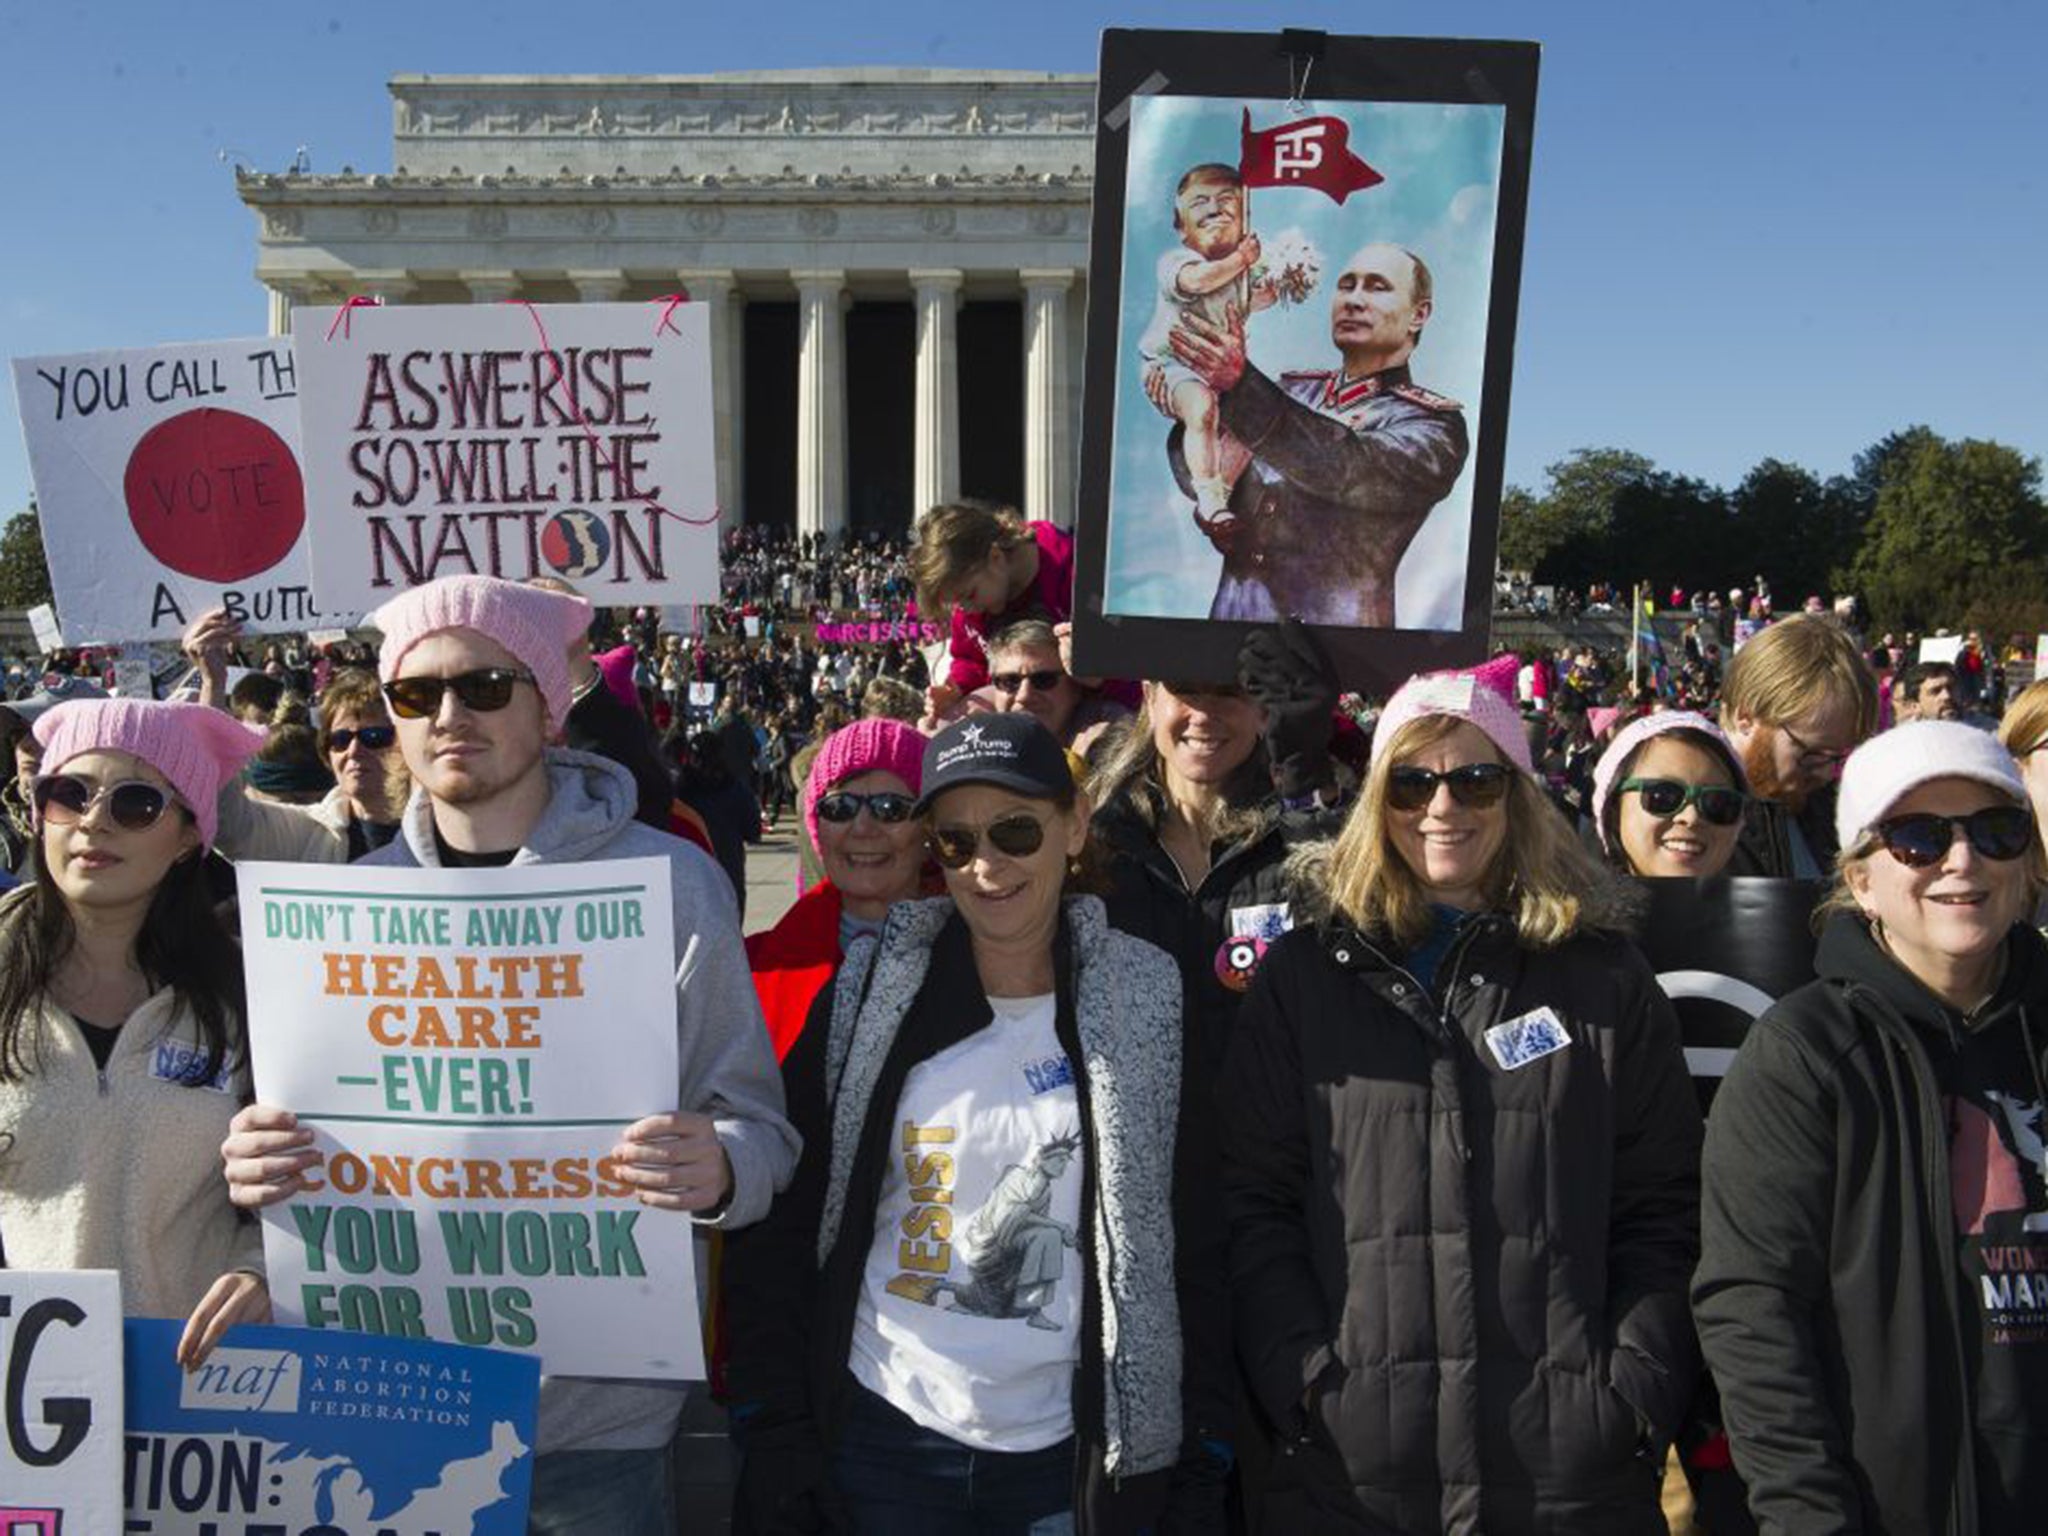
x: 727, y: 1064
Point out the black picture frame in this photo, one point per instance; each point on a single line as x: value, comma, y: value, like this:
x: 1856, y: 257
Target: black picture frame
x: 1262, y: 67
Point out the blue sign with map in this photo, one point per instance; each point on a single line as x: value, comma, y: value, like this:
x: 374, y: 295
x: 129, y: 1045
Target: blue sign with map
x: 289, y: 1430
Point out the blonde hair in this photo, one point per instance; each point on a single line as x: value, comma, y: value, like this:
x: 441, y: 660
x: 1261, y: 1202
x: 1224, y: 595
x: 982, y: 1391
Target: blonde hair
x: 2026, y: 719
x: 954, y: 540
x: 1794, y: 667
x: 1543, y: 877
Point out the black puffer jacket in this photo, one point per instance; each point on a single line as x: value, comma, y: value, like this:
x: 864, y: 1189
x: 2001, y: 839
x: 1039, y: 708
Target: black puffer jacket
x: 1246, y: 883
x: 1829, y: 1296
x: 1462, y: 1288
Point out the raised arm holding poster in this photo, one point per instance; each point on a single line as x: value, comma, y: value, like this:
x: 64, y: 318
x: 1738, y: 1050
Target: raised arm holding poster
x: 291, y: 1430
x: 511, y: 440
x: 60, y: 1352
x: 467, y: 1046
x: 1299, y: 343
x: 167, y: 483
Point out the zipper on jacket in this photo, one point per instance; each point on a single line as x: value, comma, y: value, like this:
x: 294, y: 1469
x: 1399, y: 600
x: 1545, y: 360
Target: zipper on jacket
x: 1442, y: 1019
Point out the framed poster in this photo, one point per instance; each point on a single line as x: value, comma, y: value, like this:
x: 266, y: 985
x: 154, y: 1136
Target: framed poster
x: 1303, y: 283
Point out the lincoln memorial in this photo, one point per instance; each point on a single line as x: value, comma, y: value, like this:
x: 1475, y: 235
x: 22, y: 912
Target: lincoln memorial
x: 895, y: 259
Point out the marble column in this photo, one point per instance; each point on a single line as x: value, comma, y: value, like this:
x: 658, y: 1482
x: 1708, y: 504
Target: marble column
x: 1048, y: 435
x: 719, y: 292
x: 936, y: 455
x: 599, y: 286
x: 490, y: 287
x: 821, y: 403
x: 285, y: 294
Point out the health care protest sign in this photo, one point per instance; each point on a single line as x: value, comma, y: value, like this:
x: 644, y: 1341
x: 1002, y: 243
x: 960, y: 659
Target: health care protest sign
x: 167, y: 482
x: 467, y: 1047
x: 512, y: 440
x: 284, y: 1431
x: 60, y: 1454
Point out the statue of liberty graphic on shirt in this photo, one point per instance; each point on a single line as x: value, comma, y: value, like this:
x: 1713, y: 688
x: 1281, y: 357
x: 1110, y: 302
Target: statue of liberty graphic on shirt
x: 1015, y: 1251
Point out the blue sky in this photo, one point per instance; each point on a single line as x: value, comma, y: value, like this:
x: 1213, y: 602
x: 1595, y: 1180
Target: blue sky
x: 1756, y: 229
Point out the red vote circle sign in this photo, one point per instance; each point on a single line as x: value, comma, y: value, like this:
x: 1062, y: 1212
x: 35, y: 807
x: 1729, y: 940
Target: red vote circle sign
x: 215, y: 495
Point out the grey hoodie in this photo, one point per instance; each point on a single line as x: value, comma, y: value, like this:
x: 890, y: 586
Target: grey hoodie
x: 727, y: 1064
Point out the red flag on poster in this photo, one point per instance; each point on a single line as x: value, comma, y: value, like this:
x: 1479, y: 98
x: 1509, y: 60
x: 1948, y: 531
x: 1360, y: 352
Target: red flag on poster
x: 1314, y: 152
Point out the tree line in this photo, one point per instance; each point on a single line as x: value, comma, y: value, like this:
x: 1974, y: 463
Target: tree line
x: 1927, y: 532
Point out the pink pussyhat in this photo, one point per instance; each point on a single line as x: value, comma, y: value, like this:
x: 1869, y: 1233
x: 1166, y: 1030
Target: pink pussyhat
x: 866, y: 746
x: 197, y: 749
x: 1481, y: 696
x: 534, y: 624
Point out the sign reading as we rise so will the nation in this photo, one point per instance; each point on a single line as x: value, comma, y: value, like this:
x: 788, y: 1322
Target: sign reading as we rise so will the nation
x: 513, y: 440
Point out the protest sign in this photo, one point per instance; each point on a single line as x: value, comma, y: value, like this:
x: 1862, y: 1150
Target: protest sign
x: 1257, y: 442
x: 134, y: 678
x: 1725, y: 950
x: 288, y: 1430
x: 167, y: 483
x: 467, y: 1046
x: 702, y: 695
x: 510, y: 440
x: 42, y: 619
x: 1941, y: 648
x: 60, y: 1455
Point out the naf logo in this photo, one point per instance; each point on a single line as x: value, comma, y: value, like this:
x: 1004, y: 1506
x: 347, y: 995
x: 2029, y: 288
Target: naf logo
x: 243, y: 1381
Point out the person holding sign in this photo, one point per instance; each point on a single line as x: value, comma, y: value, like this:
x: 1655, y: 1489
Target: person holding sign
x: 357, y: 740
x: 1460, y: 1161
x: 475, y: 670
x: 992, y: 1299
x: 1874, y: 1225
x: 121, y: 1048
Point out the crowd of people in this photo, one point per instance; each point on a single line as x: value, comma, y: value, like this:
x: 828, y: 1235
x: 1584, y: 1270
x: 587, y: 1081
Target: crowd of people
x: 1171, y: 1105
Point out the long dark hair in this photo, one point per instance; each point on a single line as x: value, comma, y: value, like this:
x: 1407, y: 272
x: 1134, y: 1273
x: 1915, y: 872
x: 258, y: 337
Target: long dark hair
x: 182, y: 945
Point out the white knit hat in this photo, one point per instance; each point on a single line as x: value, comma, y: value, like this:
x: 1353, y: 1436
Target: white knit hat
x: 1887, y: 768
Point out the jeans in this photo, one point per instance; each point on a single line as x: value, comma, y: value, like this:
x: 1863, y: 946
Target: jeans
x: 898, y: 1478
x: 601, y: 1493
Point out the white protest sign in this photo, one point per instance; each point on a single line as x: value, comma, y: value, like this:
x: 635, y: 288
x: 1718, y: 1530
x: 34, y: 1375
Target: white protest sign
x: 510, y: 440
x: 167, y: 483
x: 60, y: 1356
x: 467, y: 1046
x: 326, y: 636
x: 43, y: 620
x: 1944, y: 648
x: 703, y: 695
x: 134, y: 679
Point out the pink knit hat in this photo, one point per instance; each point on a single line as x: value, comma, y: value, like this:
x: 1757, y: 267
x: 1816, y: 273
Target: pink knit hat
x: 534, y: 624
x: 866, y: 746
x: 1607, y: 771
x: 1482, y: 696
x: 196, y: 748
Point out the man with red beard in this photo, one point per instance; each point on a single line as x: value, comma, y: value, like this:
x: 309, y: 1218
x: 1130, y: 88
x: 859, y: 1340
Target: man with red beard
x: 1797, y: 700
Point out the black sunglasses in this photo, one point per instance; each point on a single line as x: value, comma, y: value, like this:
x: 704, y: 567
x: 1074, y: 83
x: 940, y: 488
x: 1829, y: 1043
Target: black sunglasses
x: 2000, y: 832
x: 1667, y: 797
x: 63, y: 800
x: 1042, y: 681
x: 1018, y: 835
x: 886, y: 806
x: 375, y: 738
x: 1474, y: 785
x: 484, y: 690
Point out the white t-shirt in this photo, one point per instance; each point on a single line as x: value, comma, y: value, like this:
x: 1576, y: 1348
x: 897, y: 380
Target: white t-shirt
x: 969, y: 1315
x: 1173, y: 303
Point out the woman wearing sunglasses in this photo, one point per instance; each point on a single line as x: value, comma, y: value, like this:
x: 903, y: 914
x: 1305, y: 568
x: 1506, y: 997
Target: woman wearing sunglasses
x: 357, y: 742
x: 857, y: 807
x: 1668, y: 797
x: 991, y: 1299
x: 1874, y: 1223
x: 121, y: 1048
x: 1460, y: 1156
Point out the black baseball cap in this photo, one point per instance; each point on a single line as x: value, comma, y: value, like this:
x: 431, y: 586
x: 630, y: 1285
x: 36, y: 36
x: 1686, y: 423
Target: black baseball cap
x: 1011, y: 750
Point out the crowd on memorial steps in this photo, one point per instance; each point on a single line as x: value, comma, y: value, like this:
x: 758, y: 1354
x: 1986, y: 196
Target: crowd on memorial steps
x: 1170, y: 1104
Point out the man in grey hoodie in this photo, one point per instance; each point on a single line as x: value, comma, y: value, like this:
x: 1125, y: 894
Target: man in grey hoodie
x: 476, y: 675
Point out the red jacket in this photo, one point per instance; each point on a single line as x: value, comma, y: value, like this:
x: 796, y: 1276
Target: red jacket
x: 794, y: 961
